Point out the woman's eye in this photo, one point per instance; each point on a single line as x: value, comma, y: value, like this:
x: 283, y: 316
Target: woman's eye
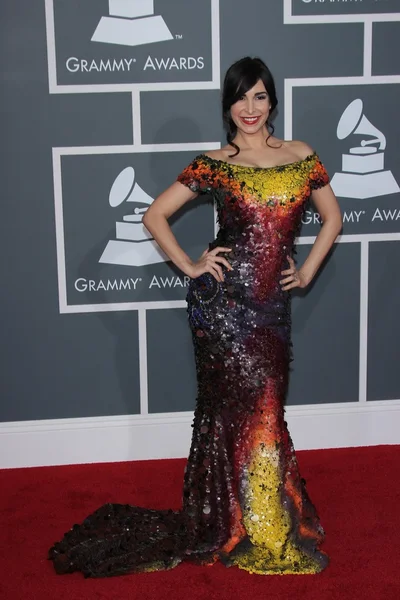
x: 261, y: 97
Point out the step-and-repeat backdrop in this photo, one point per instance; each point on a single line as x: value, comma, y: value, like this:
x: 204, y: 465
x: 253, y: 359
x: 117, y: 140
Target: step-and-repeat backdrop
x: 104, y: 102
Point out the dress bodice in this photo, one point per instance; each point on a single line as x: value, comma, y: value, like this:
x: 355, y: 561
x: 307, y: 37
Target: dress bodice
x: 259, y: 214
x: 269, y: 200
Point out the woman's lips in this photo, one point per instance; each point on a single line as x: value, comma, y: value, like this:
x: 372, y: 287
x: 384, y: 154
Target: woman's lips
x: 250, y: 120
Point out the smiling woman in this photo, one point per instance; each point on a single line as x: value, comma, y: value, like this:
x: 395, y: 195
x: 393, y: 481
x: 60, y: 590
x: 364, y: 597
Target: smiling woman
x: 244, y: 501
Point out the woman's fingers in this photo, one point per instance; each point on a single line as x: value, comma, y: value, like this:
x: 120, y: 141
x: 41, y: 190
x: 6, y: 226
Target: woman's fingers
x: 211, y: 260
x: 287, y: 280
x: 291, y: 282
x: 220, y: 249
x: 219, y: 271
x: 214, y: 271
x: 223, y: 261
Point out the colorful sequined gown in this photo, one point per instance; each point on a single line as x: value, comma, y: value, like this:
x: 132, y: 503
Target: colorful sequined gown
x: 244, y: 502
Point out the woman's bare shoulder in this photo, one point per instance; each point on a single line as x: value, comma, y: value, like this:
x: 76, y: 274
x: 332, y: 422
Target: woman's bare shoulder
x: 300, y: 149
x: 220, y: 154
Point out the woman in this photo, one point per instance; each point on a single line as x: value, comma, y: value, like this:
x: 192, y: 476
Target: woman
x: 244, y: 502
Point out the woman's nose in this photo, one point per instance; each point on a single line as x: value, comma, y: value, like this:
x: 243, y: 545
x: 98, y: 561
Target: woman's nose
x: 250, y: 106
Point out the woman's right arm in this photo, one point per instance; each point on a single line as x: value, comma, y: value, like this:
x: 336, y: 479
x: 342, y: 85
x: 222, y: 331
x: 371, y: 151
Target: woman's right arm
x: 155, y: 220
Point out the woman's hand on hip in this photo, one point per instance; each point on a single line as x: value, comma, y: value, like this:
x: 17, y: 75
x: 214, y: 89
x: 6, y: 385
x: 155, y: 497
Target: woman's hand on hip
x: 295, y: 278
x: 210, y: 262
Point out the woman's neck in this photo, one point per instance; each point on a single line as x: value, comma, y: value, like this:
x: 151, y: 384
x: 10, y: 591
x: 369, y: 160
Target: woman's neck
x: 255, y: 141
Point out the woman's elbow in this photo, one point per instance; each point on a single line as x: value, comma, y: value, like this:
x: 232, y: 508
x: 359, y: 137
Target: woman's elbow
x: 337, y: 222
x: 151, y: 217
x: 147, y: 218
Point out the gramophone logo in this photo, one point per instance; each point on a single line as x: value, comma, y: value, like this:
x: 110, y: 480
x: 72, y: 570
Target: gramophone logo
x: 134, y: 245
x: 131, y: 23
x: 363, y: 174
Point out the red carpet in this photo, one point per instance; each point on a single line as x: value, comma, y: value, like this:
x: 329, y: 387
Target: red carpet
x: 356, y: 491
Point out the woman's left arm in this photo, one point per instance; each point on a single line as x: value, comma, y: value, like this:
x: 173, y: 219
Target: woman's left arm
x: 328, y: 207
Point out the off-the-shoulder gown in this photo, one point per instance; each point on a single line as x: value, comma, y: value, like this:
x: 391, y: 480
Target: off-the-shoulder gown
x: 244, y: 502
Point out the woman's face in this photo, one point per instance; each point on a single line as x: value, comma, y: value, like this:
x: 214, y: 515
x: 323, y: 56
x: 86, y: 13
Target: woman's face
x: 251, y: 111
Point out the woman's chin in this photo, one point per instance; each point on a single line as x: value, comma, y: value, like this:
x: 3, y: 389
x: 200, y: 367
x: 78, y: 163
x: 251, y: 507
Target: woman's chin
x: 250, y: 129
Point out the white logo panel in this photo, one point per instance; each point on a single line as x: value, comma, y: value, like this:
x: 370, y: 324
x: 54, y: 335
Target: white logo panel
x: 338, y: 11
x: 363, y: 173
x: 142, y: 44
x: 107, y: 259
x: 357, y: 142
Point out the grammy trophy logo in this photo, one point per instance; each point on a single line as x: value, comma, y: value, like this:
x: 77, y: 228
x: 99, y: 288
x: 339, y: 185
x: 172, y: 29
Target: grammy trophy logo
x: 363, y: 174
x: 134, y: 245
x: 131, y: 23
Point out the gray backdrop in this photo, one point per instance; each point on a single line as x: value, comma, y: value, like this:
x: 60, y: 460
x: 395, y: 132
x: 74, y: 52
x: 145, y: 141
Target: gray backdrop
x: 93, y: 318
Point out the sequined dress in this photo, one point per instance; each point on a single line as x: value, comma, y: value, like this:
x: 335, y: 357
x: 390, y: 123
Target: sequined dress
x: 244, y: 502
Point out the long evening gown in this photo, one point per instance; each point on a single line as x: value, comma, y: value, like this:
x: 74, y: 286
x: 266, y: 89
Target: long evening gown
x: 243, y: 502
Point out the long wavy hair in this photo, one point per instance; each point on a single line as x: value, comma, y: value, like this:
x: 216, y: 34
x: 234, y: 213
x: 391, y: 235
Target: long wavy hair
x: 239, y: 79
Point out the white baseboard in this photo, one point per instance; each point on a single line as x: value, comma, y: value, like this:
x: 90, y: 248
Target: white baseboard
x: 142, y: 437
